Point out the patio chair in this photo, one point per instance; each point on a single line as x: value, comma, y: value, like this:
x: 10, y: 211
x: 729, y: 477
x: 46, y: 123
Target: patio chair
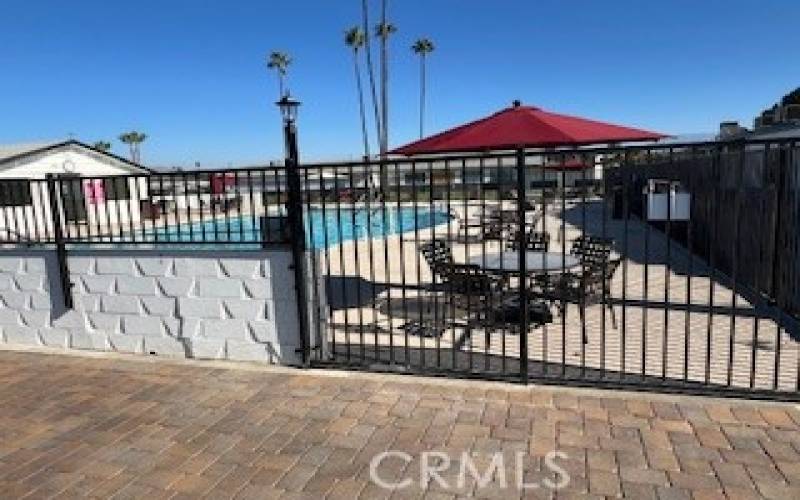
x: 581, y: 288
x: 592, y: 249
x: 439, y: 257
x: 486, y: 303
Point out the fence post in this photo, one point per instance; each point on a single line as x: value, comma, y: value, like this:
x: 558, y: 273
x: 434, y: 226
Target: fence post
x: 58, y: 238
x: 523, y: 267
x: 294, y: 212
x: 777, y: 233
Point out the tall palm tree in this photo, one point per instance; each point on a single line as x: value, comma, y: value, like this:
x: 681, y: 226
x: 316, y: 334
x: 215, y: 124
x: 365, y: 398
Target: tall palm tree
x: 134, y: 140
x: 422, y: 48
x: 102, y: 146
x: 383, y: 31
x: 354, y: 38
x: 365, y: 27
x: 279, y: 61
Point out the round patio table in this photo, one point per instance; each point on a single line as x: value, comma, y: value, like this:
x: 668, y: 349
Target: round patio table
x: 535, y: 262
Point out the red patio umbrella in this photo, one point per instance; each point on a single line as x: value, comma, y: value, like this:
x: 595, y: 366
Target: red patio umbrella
x: 525, y: 127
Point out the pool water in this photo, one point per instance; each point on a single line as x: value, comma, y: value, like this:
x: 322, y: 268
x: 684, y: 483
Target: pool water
x: 324, y: 227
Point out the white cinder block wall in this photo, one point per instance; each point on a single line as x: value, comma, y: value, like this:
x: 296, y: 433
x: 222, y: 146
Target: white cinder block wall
x: 201, y: 304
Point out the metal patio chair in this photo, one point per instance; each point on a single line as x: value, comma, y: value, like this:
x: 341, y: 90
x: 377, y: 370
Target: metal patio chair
x: 583, y: 288
x: 439, y: 257
x: 592, y: 249
x: 487, y: 304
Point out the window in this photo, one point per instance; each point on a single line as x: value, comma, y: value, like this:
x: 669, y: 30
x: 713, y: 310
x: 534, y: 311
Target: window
x: 117, y: 188
x: 15, y: 194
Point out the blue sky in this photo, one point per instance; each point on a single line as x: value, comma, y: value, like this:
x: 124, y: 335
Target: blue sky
x: 191, y: 74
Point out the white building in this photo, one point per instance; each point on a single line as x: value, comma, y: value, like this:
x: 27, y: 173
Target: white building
x: 96, y: 189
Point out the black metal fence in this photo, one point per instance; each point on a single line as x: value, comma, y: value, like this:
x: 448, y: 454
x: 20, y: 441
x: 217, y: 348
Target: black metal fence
x: 669, y: 266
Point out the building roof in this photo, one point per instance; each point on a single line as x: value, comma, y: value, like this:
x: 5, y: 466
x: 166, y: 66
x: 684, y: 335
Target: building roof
x: 12, y: 154
x: 777, y: 132
x: 525, y: 127
x: 15, y: 150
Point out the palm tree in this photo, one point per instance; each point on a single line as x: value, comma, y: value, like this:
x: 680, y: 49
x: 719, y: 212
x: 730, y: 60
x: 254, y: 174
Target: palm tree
x: 383, y: 31
x: 422, y: 48
x: 279, y: 61
x: 133, y: 139
x: 354, y: 38
x: 102, y: 146
x: 365, y: 26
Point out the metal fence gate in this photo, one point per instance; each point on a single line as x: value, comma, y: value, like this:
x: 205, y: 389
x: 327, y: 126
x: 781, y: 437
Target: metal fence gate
x: 670, y: 267
x: 667, y: 267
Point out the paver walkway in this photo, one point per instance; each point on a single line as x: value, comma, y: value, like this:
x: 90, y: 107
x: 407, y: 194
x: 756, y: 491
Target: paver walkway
x: 125, y: 427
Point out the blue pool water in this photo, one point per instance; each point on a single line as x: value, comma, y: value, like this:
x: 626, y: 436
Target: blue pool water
x: 323, y: 227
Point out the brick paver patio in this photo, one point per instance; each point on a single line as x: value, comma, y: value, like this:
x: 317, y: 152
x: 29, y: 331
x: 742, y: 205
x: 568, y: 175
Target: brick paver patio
x: 125, y: 427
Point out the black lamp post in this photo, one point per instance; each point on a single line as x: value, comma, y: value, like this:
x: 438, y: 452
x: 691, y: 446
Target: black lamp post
x: 289, y: 107
x: 294, y: 215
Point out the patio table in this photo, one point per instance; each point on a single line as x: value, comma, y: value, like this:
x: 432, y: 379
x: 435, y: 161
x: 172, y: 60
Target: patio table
x: 536, y: 262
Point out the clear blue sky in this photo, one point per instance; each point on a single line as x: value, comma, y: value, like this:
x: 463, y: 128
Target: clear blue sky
x: 191, y: 74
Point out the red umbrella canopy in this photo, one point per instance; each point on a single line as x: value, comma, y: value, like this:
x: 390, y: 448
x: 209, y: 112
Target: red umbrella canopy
x: 525, y: 127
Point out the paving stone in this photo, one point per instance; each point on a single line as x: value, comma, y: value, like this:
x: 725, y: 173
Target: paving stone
x: 694, y: 481
x: 114, y: 427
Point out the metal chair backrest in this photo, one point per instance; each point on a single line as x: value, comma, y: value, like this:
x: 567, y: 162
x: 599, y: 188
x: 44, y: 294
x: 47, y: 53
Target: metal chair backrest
x: 592, y: 249
x: 437, y: 254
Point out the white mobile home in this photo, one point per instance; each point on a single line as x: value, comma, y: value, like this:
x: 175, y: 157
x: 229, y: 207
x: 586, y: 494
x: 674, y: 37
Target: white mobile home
x: 92, y: 191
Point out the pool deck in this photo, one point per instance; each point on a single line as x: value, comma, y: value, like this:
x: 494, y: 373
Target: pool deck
x: 671, y: 304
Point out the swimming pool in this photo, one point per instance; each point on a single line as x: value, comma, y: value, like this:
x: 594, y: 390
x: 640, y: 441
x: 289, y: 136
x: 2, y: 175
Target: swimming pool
x: 324, y: 227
